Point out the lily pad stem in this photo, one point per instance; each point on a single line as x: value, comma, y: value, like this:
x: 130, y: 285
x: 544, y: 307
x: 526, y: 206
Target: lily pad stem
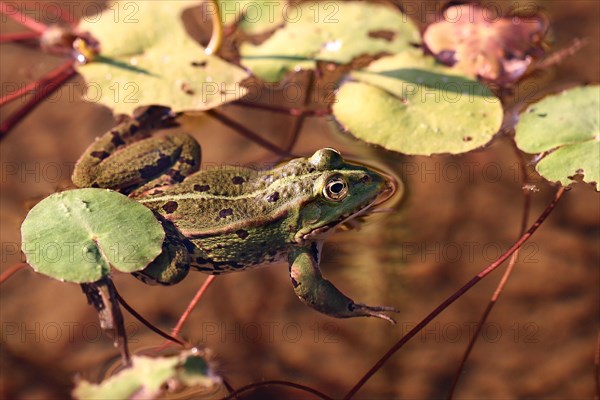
x: 217, y: 29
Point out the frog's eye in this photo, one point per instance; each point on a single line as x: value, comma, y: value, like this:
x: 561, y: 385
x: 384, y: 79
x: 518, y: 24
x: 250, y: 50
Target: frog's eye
x: 336, y: 189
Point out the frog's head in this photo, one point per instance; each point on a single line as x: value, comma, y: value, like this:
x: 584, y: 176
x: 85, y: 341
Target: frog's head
x: 341, y: 191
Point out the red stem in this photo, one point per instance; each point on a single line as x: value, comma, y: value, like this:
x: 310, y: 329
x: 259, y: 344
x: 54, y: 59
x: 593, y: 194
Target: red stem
x: 456, y: 295
x: 505, y: 276
x: 18, y: 37
x: 61, y: 12
x: 46, y: 80
x: 47, y: 85
x: 597, y: 368
x: 144, y: 321
x: 255, y: 385
x: 192, y: 305
x: 242, y: 130
x: 10, y: 271
x: 299, y: 120
x: 11, y: 11
x: 284, y: 110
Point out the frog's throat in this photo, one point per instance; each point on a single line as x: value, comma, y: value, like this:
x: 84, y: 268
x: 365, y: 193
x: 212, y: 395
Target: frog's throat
x: 323, y: 230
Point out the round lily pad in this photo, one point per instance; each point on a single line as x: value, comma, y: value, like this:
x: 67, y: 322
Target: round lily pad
x: 565, y: 129
x: 146, y: 57
x: 329, y: 31
x: 76, y: 235
x: 410, y: 104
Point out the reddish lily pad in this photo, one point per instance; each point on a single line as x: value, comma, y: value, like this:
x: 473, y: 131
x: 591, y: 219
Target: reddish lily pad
x: 495, y: 48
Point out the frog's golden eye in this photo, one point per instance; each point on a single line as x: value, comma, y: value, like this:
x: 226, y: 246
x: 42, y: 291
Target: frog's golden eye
x: 336, y: 189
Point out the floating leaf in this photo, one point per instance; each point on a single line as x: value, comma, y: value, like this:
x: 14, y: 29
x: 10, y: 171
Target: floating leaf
x: 410, y: 104
x: 567, y: 126
x: 329, y: 31
x: 253, y: 16
x: 146, y: 57
x: 148, y: 377
x: 479, y: 43
x: 74, y: 235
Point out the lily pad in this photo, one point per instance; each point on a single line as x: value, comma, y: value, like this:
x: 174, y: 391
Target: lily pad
x: 146, y: 57
x: 329, y: 31
x: 253, y: 16
x: 481, y: 44
x: 76, y: 235
x: 565, y: 128
x: 148, y: 377
x: 410, y: 104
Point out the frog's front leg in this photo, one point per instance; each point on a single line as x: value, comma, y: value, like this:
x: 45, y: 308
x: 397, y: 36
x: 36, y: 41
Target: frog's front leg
x: 319, y: 293
x: 128, y: 159
x: 172, y: 264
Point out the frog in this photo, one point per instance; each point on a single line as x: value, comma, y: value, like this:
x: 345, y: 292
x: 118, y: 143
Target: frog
x: 233, y: 218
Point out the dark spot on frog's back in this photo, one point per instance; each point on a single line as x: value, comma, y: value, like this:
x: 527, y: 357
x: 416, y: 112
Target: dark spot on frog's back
x: 176, y: 175
x: 273, y: 197
x: 99, y: 154
x: 170, y: 207
x: 241, y: 233
x: 237, y: 180
x: 201, y: 188
x: 116, y: 139
x: 150, y: 171
x: 133, y: 128
x: 226, y: 212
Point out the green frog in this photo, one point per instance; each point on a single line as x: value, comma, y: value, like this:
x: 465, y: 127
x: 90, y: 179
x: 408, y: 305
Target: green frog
x: 230, y: 219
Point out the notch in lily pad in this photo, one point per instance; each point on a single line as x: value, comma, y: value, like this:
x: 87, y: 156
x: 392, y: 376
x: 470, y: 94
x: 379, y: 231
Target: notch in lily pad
x: 76, y: 235
x: 564, y: 130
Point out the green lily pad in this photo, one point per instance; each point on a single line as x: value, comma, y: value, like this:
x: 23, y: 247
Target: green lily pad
x: 148, y: 377
x: 329, y: 31
x: 567, y: 126
x: 253, y: 16
x: 76, y: 235
x: 146, y: 57
x: 410, y: 104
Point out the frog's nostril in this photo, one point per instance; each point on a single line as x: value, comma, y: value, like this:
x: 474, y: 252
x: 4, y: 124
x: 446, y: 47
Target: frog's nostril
x: 366, y: 179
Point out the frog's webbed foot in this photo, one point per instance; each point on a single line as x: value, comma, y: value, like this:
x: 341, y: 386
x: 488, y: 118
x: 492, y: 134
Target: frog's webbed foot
x: 322, y: 295
x: 360, y: 310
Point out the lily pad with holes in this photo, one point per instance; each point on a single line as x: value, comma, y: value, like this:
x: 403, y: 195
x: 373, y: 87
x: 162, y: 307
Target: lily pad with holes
x: 565, y: 129
x: 149, y: 378
x: 146, y: 57
x: 76, y: 235
x: 329, y: 31
x: 480, y: 43
x: 410, y: 104
x: 253, y: 16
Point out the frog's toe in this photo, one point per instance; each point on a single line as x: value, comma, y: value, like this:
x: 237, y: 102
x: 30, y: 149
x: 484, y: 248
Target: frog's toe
x: 359, y: 309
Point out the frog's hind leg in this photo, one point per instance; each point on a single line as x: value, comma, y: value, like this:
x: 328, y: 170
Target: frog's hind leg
x: 320, y: 294
x: 128, y: 159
